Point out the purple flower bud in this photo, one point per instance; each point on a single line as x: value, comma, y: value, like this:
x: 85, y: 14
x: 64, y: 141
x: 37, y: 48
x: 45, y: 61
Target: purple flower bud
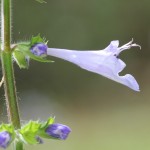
x: 5, y: 139
x: 58, y: 131
x: 39, y: 49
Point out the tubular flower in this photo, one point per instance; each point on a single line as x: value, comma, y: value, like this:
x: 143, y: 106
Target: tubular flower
x: 104, y: 62
x: 5, y: 139
x: 58, y: 131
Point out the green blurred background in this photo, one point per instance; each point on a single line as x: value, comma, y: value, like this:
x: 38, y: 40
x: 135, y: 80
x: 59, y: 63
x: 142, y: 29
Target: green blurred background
x: 103, y: 115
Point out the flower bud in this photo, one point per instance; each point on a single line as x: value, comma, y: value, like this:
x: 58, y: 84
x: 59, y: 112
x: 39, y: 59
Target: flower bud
x: 5, y: 139
x: 58, y: 131
x: 39, y: 49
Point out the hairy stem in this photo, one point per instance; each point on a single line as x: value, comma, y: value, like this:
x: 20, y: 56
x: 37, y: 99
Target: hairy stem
x: 10, y: 90
x: 7, y: 68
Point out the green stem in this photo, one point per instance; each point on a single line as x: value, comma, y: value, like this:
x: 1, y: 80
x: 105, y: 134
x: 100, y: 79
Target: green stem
x: 18, y: 146
x: 10, y: 91
x: 7, y: 68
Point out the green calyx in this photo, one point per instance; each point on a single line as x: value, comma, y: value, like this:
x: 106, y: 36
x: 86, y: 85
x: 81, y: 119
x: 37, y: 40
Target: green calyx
x: 37, y: 39
x: 22, y: 54
x: 43, y: 127
x: 30, y: 131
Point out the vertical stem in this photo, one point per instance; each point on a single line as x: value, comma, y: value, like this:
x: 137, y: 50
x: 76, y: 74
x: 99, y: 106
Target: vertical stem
x: 18, y: 146
x: 5, y: 24
x: 7, y: 68
x: 10, y: 91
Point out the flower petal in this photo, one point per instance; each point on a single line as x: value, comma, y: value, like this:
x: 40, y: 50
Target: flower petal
x: 104, y: 62
x: 112, y: 47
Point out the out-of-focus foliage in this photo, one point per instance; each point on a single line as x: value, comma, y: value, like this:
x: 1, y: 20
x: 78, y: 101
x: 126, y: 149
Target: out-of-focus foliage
x: 102, y: 114
x: 41, y: 1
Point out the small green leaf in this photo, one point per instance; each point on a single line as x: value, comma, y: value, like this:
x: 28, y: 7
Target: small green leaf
x: 49, y: 121
x: 43, y: 127
x: 9, y: 128
x: 37, y: 39
x: 20, y: 59
x: 29, y: 132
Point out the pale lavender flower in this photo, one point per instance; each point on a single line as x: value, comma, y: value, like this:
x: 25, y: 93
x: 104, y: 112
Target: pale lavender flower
x: 58, y: 131
x: 104, y: 62
x: 5, y: 139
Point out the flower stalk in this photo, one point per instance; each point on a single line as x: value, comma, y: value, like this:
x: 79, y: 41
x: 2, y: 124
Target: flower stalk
x: 7, y: 67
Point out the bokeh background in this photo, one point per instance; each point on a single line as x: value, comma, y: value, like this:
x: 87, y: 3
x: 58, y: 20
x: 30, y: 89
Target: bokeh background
x: 103, y: 115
